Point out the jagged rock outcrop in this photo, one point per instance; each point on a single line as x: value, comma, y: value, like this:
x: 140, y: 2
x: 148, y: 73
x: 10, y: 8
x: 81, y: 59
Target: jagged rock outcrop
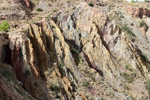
x: 138, y: 12
x: 91, y: 53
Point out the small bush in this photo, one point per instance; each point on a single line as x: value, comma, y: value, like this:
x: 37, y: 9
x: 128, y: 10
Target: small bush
x: 91, y: 4
x: 68, y: 1
x: 4, y: 26
x: 128, y: 77
x: 143, y: 24
x: 118, y: 26
x: 133, y: 1
x: 74, y: 51
x: 128, y: 67
x: 144, y: 57
x: 126, y: 87
x: 55, y: 87
x: 85, y: 84
x: 39, y: 9
x: 76, y: 55
x: 121, y: 15
x: 55, y: 10
x: 102, y: 99
x: 125, y: 28
x: 61, y: 70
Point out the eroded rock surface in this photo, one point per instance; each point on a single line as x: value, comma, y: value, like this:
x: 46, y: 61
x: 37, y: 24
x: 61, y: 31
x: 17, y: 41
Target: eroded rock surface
x: 87, y: 53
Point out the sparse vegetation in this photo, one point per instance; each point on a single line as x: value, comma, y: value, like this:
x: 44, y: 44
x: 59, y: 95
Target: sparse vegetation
x: 125, y: 28
x: 133, y: 98
x: 128, y: 77
x: 4, y: 26
x: 39, y: 9
x: 48, y: 16
x: 144, y: 57
x: 118, y: 26
x: 91, y: 4
x: 68, y: 1
x: 76, y: 55
x: 126, y: 87
x: 55, y: 87
x: 120, y: 13
x: 102, y: 99
x: 143, y: 24
x: 133, y: 1
x: 128, y: 67
x: 85, y: 84
x: 19, y: 91
x: 55, y: 10
x: 74, y: 51
x: 60, y: 67
x: 27, y: 73
x: 133, y: 74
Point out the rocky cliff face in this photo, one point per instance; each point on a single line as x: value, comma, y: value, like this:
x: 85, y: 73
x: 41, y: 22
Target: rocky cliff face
x: 84, y: 53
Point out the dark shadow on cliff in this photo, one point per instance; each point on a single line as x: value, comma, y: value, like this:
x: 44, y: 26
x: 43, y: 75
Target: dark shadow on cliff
x: 92, y: 65
x: 75, y: 50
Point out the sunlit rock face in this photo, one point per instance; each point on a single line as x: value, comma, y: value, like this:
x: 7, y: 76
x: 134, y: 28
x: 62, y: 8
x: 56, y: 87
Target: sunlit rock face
x: 91, y: 53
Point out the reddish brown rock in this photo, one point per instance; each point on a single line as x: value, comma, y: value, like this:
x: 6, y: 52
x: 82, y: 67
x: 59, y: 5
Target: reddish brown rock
x: 138, y: 12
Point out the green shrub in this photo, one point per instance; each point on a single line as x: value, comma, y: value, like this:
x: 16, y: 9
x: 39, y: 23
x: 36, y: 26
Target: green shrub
x: 121, y: 15
x: 102, y: 99
x: 133, y: 1
x: 74, y: 51
x: 68, y: 1
x: 125, y: 28
x: 128, y: 77
x: 126, y: 87
x: 4, y: 26
x: 144, y: 57
x: 91, y: 4
x: 143, y: 24
x: 133, y: 74
x: 85, y: 84
x: 76, y: 55
x: 55, y: 10
x: 61, y: 70
x: 128, y: 67
x: 39, y: 9
x: 55, y: 87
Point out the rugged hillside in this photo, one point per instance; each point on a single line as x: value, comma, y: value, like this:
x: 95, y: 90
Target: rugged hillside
x: 75, y: 50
